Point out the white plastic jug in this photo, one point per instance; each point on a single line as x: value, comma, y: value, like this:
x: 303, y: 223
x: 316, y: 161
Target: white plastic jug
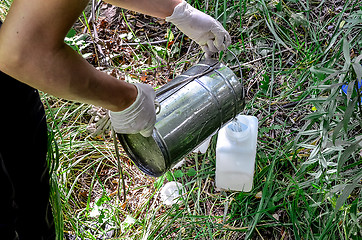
x: 235, y: 154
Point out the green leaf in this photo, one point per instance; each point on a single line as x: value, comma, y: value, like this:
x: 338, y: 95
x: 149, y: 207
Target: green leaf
x: 336, y: 131
x: 350, y: 90
x: 346, y: 52
x: 347, y: 191
x: 358, y: 59
x: 310, y: 132
x: 332, y: 42
x: 320, y: 99
x: 345, y: 194
x: 169, y: 176
x: 348, y: 114
x: 353, y: 22
x: 322, y: 70
x: 353, y: 210
x: 159, y: 182
x: 191, y: 172
x: 71, y: 33
x: 315, y: 115
x: 102, y: 200
x: 170, y: 35
x: 357, y: 67
x: 311, y: 161
x: 347, y: 153
x: 178, y: 174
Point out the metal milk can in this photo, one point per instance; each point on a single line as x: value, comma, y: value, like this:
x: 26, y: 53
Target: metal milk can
x: 193, y: 106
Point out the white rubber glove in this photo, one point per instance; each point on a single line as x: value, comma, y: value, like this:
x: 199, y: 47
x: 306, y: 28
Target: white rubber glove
x: 200, y: 27
x: 140, y: 117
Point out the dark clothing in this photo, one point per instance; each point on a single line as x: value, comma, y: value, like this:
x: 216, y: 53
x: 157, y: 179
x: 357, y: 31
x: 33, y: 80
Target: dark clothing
x: 25, y: 211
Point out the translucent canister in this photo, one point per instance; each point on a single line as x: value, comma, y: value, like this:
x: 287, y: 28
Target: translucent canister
x: 235, y: 154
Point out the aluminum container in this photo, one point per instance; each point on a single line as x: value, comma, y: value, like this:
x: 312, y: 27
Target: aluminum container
x: 193, y: 106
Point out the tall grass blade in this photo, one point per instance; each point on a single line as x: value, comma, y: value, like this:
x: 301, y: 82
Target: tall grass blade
x: 347, y: 153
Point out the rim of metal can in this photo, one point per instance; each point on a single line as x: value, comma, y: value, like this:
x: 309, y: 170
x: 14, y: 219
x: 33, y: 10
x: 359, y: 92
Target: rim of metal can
x: 145, y: 152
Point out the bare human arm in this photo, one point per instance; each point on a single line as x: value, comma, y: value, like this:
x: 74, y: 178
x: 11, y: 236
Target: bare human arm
x: 32, y: 50
x: 32, y: 47
x: 156, y: 8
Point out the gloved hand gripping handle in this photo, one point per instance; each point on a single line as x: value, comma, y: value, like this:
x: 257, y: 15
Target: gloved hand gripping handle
x: 200, y: 27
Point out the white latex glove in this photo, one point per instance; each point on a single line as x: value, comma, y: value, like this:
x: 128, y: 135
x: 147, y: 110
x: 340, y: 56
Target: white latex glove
x: 200, y: 27
x: 140, y: 117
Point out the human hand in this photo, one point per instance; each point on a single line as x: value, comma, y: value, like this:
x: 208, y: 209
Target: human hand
x: 200, y: 27
x: 140, y: 117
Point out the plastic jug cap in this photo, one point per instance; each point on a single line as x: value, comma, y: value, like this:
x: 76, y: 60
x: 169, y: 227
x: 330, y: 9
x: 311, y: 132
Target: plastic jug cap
x: 237, y: 130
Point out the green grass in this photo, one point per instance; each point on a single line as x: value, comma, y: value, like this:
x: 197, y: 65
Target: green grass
x: 295, y: 56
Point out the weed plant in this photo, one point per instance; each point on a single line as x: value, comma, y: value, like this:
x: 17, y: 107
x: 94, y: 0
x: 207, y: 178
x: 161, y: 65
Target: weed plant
x: 302, y: 72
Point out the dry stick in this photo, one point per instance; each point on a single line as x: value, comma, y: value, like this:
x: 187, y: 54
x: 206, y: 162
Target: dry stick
x: 94, y: 7
x: 135, y: 44
x: 93, y: 15
x: 93, y: 18
x: 119, y: 167
x: 143, y: 43
x: 87, y: 27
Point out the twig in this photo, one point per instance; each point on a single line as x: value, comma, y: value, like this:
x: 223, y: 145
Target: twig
x: 135, y: 44
x: 119, y: 167
x: 92, y: 18
x: 144, y: 43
